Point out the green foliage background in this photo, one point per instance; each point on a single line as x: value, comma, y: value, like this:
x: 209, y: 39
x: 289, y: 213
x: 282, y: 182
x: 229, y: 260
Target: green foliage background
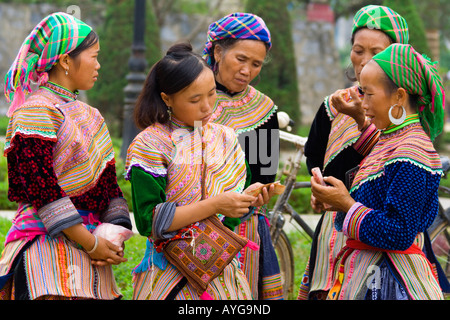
x: 278, y: 79
x: 116, y: 37
x: 408, y: 10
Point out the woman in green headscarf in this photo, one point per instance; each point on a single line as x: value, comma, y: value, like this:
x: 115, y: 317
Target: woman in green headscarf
x: 394, y: 196
x: 340, y: 137
x: 61, y: 171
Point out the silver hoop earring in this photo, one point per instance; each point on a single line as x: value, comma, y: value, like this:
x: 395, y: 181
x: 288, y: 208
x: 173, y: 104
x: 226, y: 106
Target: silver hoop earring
x: 351, y: 77
x: 400, y: 120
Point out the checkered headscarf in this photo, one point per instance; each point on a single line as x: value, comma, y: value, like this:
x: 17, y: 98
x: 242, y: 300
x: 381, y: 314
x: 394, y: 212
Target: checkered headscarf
x: 384, y: 19
x: 237, y: 26
x: 415, y: 73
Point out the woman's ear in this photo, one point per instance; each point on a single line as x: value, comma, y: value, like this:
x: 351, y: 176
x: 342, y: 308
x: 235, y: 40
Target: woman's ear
x: 64, y: 62
x: 218, y: 51
x: 403, y: 97
x: 166, y: 99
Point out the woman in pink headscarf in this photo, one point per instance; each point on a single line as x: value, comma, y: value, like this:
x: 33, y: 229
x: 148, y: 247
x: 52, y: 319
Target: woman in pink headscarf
x: 61, y: 171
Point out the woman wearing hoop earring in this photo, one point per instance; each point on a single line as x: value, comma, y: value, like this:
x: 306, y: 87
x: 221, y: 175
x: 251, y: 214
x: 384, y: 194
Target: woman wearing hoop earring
x: 393, y: 198
x: 401, y: 119
x: 340, y: 137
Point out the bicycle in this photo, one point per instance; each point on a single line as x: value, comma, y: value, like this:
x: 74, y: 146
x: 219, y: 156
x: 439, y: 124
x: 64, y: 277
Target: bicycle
x: 276, y: 218
x: 439, y: 231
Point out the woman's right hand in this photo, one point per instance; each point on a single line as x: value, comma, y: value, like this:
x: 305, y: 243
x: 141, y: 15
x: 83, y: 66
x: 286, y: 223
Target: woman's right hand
x: 352, y: 108
x: 106, y: 253
x: 233, y: 204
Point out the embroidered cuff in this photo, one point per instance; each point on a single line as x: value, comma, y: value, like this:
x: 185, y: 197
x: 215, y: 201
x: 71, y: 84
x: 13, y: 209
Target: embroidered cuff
x: 162, y: 219
x: 367, y: 140
x: 59, y: 215
x: 117, y: 213
x: 353, y: 220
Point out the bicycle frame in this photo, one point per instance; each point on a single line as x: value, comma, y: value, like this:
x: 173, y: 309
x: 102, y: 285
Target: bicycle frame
x: 281, y: 206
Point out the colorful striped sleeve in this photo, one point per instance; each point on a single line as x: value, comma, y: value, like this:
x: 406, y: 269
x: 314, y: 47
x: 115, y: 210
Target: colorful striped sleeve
x: 353, y: 220
x: 367, y: 140
x: 147, y: 152
x: 33, y: 121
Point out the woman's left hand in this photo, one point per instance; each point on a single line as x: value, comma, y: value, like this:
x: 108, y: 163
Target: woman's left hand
x: 334, y: 194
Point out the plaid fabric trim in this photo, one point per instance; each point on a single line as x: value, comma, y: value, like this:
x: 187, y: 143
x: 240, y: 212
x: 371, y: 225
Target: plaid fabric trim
x: 59, y: 215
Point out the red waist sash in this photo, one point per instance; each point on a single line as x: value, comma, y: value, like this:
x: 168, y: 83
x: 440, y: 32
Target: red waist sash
x: 350, y: 246
x: 356, y: 244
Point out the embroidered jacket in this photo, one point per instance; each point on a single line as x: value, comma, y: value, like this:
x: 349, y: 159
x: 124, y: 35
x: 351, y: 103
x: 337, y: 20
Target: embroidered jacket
x: 396, y: 189
x: 60, y: 160
x: 168, y: 164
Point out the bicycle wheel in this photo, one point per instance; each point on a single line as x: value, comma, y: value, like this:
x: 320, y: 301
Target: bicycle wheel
x: 440, y: 238
x: 285, y: 256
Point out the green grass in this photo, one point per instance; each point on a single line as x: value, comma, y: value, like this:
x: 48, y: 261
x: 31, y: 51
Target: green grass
x: 134, y: 251
x: 3, y: 125
x: 301, y: 246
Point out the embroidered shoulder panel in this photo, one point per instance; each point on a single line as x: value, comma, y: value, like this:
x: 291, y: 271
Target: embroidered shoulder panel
x: 180, y: 155
x: 83, y: 147
x: 409, y: 144
x: 243, y: 112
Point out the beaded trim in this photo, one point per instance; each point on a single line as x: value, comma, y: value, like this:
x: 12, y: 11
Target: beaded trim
x: 60, y: 91
x: 413, y: 118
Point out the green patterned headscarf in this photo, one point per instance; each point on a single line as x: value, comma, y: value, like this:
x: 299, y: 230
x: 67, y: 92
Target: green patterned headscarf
x: 415, y: 73
x: 384, y: 19
x: 55, y: 35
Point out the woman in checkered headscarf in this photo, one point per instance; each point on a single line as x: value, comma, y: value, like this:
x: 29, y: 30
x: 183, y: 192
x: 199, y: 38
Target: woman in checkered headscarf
x: 61, y: 171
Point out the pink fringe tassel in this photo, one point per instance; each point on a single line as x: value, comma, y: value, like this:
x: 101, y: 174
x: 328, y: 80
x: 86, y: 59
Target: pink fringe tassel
x: 206, y: 296
x: 252, y: 246
x: 19, y: 99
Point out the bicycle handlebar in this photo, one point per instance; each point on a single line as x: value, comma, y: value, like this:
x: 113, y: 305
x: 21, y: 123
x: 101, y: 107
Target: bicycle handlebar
x: 292, y: 138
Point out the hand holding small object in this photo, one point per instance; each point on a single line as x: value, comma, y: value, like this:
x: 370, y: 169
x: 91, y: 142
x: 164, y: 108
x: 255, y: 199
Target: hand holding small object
x: 263, y: 192
x: 318, y: 205
x: 335, y: 194
x: 350, y: 105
